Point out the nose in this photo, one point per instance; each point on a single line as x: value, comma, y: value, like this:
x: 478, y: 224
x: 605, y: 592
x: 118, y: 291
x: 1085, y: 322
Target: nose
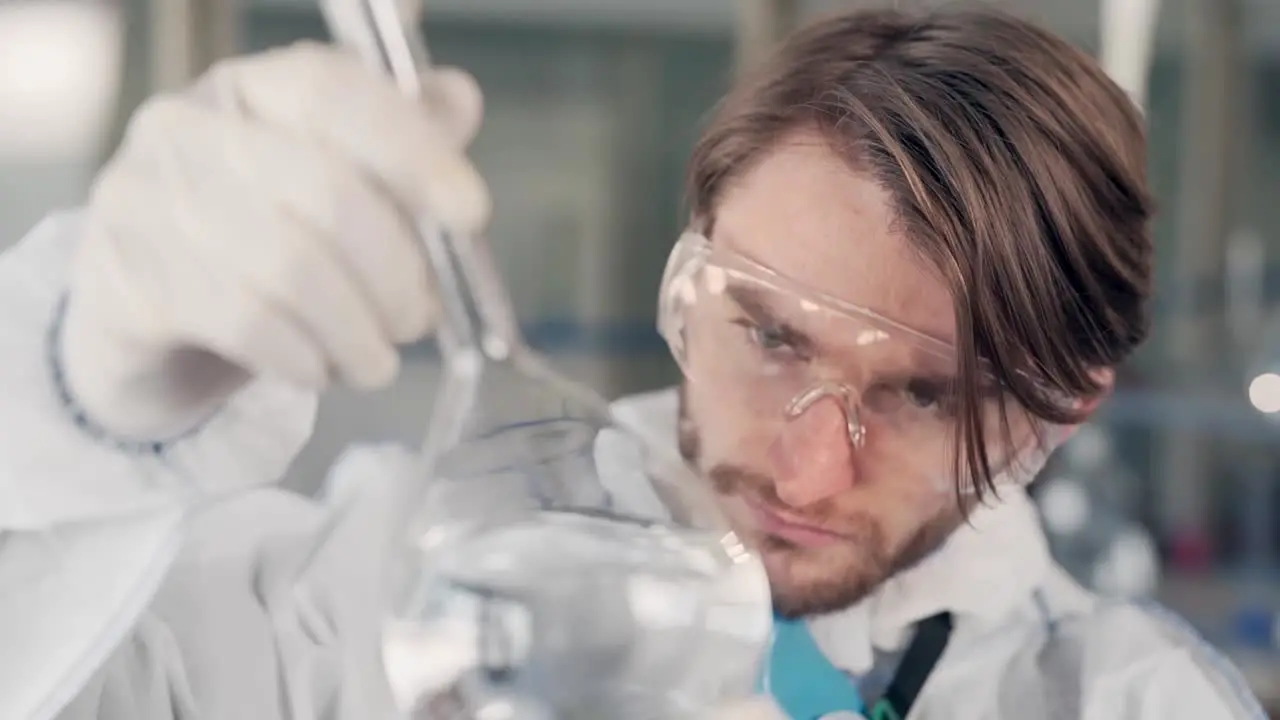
x: 812, y: 455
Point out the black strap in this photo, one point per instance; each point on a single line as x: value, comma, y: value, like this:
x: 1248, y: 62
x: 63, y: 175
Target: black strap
x: 922, y: 655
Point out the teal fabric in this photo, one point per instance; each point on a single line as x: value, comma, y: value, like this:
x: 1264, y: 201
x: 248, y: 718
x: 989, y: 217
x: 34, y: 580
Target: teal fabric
x: 800, y: 678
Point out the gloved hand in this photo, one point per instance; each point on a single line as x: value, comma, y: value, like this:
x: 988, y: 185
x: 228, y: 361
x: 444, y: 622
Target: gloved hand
x: 261, y: 223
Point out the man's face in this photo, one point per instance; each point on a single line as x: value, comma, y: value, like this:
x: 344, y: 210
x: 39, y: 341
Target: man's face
x: 831, y: 519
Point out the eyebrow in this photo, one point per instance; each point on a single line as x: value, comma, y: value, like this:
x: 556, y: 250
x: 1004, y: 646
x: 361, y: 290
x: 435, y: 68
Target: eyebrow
x: 761, y: 310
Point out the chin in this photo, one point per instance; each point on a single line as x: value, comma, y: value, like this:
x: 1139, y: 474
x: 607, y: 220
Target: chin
x: 815, y: 581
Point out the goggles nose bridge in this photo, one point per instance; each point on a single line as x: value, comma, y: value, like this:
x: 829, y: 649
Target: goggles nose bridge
x: 850, y: 403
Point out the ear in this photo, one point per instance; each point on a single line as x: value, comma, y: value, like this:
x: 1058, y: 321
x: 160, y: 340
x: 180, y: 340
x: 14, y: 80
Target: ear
x: 1106, y: 378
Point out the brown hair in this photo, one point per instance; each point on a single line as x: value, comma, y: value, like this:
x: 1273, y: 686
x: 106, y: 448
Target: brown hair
x: 1016, y: 167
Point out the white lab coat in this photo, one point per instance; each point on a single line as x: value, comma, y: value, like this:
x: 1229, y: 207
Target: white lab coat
x: 205, y: 619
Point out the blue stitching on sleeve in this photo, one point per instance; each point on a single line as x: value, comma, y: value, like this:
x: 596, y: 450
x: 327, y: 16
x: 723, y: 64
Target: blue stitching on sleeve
x: 77, y: 413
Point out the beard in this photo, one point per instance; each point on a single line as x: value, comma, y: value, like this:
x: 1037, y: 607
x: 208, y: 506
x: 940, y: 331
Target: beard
x: 816, y: 580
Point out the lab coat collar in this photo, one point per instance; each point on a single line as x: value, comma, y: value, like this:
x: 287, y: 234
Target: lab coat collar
x: 981, y: 574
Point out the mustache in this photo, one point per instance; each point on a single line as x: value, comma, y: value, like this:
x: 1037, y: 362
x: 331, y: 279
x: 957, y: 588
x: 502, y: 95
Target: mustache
x: 728, y: 479
x: 731, y: 480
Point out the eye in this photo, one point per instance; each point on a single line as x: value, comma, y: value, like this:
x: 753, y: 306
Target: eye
x: 933, y: 395
x: 767, y: 338
x: 772, y: 339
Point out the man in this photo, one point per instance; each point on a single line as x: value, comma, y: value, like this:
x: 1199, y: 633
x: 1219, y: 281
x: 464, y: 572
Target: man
x: 919, y: 246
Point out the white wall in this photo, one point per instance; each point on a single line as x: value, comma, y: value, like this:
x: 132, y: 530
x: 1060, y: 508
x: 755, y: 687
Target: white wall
x: 59, y: 75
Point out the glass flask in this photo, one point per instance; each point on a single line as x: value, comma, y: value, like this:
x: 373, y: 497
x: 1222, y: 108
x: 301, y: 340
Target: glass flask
x: 557, y: 562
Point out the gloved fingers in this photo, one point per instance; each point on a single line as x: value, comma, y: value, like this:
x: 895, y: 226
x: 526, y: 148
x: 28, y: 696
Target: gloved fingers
x: 229, y: 323
x: 343, y: 204
x: 331, y: 97
x: 360, y: 227
x: 457, y: 92
x: 294, y: 269
x: 235, y: 230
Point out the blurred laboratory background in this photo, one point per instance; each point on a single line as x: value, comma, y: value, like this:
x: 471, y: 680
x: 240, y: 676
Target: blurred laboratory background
x: 1173, y: 494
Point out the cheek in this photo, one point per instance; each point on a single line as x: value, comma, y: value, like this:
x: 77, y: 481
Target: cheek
x: 899, y: 499
x: 729, y: 429
x: 913, y: 479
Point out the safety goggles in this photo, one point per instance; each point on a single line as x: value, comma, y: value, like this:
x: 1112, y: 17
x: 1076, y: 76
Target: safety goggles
x: 777, y: 348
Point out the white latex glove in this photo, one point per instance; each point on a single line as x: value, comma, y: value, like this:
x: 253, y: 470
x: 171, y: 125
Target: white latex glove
x: 260, y: 224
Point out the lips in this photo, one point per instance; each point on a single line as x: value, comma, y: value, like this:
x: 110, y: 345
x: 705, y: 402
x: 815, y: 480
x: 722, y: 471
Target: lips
x: 771, y: 522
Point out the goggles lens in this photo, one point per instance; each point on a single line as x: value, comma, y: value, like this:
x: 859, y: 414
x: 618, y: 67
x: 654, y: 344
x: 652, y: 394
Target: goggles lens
x: 777, y: 348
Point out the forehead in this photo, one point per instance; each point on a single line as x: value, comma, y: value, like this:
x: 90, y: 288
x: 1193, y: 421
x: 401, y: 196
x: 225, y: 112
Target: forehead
x: 805, y: 213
